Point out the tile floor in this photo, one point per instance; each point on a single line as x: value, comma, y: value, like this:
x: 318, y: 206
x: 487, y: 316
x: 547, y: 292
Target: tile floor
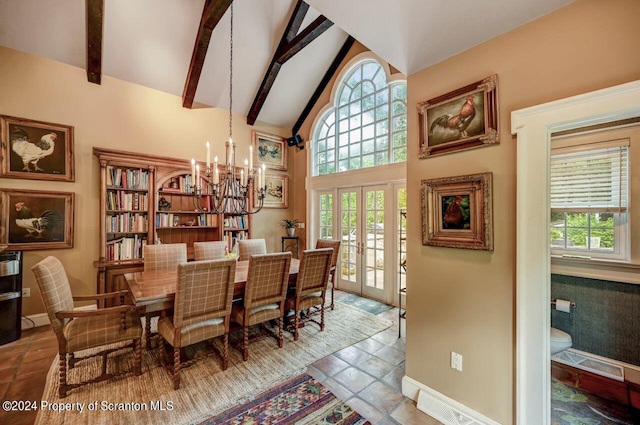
x: 367, y: 375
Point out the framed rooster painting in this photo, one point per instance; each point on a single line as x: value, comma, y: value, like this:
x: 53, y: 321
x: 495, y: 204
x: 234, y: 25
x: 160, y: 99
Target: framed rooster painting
x: 36, y: 219
x: 457, y: 212
x: 36, y: 150
x: 463, y: 119
x: 270, y: 150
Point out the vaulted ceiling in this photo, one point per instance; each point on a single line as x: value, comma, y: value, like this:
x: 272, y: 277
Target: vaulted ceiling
x: 282, y: 49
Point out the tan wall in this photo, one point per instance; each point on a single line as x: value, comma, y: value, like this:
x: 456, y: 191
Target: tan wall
x: 462, y: 300
x: 115, y: 115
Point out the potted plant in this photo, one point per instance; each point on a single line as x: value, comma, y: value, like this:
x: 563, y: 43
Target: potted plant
x: 290, y: 225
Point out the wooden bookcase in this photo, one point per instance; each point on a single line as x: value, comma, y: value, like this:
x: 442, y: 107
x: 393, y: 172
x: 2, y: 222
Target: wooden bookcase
x: 156, y: 209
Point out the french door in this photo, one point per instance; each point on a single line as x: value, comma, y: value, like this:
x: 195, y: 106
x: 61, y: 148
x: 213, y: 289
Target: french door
x: 366, y: 229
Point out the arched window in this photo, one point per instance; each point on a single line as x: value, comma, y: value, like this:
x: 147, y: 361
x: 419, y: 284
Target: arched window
x: 367, y: 124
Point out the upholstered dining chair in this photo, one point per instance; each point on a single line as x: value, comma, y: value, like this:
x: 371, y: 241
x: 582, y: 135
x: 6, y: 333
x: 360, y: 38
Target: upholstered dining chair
x: 161, y: 257
x: 201, y: 311
x: 335, y: 244
x: 311, y: 285
x: 212, y: 250
x: 264, y: 295
x: 249, y: 247
x: 78, y: 330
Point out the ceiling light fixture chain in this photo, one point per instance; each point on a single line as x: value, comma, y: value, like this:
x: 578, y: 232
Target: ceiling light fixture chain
x: 218, y: 193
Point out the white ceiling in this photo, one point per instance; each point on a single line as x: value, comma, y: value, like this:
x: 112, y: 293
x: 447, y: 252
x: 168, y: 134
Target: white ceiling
x: 150, y: 42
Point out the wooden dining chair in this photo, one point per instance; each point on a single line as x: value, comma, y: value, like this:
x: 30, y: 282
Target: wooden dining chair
x: 201, y: 311
x: 335, y: 244
x: 161, y: 257
x: 212, y: 250
x: 264, y: 295
x: 311, y: 286
x: 78, y: 330
x: 249, y: 247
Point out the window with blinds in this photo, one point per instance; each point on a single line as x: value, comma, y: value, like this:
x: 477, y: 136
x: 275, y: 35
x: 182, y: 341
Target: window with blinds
x: 589, y: 191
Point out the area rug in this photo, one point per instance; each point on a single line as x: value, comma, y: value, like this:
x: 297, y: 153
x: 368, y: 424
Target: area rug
x: 301, y: 400
x: 573, y: 406
x: 205, y: 389
x: 365, y: 304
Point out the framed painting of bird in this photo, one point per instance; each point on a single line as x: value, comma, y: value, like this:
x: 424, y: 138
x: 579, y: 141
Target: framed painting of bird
x: 36, y: 219
x: 270, y: 150
x: 36, y: 150
x: 463, y: 119
x: 277, y: 191
x: 457, y: 212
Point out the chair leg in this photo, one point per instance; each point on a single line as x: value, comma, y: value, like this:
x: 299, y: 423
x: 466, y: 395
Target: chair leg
x: 280, y: 337
x: 160, y: 349
x: 332, y: 288
x: 245, y: 343
x: 225, y: 351
x: 176, y: 368
x: 62, y: 391
x: 147, y: 328
x: 296, y: 322
x: 321, y: 319
x: 138, y: 356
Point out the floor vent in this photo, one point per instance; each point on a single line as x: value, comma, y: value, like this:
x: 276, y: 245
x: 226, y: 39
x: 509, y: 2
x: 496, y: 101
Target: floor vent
x: 591, y: 363
x: 443, y: 412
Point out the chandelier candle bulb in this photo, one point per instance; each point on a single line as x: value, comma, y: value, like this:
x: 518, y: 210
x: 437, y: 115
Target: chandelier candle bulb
x: 250, y: 158
x: 193, y: 171
x: 242, y: 177
x: 259, y: 185
x: 208, y: 155
x: 197, y: 182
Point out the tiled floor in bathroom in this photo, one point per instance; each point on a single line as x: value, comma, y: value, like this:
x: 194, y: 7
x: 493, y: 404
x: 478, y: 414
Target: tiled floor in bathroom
x: 367, y: 375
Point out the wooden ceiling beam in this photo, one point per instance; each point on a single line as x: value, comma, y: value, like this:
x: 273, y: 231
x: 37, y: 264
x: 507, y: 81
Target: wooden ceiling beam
x: 323, y: 84
x: 95, y: 24
x: 310, y: 33
x: 295, y: 22
x: 213, y: 11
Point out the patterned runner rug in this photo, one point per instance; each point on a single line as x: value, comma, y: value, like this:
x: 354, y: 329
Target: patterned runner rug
x: 302, y: 400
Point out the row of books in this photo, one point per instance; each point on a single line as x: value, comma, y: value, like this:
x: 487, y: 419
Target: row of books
x: 233, y: 237
x: 179, y: 220
x: 127, y: 201
x: 126, y: 248
x: 128, y: 178
x: 127, y: 222
x: 235, y: 222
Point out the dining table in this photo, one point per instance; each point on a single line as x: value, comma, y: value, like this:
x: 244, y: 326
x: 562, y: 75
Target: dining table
x: 155, y: 290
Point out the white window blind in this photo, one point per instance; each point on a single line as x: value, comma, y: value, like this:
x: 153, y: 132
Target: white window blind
x: 590, y: 178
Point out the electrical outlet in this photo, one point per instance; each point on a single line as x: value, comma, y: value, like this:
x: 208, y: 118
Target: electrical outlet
x: 26, y: 292
x: 456, y: 361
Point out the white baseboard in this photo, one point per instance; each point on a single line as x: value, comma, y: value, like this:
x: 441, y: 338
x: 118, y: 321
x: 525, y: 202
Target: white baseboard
x: 439, y: 406
x: 42, y: 319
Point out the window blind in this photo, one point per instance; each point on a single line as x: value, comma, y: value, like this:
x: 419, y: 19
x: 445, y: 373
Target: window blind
x: 590, y: 178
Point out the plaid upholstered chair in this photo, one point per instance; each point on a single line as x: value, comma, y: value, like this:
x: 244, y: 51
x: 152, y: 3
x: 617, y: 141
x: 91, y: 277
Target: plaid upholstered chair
x: 213, y: 250
x: 201, y: 311
x: 79, y: 330
x: 264, y: 295
x: 311, y: 285
x: 330, y: 243
x: 249, y: 247
x: 161, y: 257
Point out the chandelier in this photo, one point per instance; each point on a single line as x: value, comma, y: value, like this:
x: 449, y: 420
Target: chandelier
x: 228, y: 191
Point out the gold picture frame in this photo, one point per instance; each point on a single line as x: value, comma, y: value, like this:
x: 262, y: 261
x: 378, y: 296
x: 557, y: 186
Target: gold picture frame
x: 36, y: 219
x: 36, y: 150
x: 457, y: 212
x: 277, y: 191
x: 463, y: 119
x: 270, y: 150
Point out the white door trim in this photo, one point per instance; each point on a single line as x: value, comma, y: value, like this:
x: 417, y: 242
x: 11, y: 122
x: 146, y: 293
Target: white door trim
x: 533, y: 127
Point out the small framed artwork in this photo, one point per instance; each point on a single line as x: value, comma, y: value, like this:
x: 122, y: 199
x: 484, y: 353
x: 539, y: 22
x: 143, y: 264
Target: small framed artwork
x: 270, y: 150
x: 36, y: 219
x: 36, y: 150
x: 463, y: 119
x: 457, y: 212
x: 277, y: 192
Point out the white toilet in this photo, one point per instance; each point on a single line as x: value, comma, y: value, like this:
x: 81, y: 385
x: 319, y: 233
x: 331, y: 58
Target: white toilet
x: 559, y: 341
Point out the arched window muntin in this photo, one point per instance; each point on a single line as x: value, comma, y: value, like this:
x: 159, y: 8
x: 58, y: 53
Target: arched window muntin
x: 366, y: 126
